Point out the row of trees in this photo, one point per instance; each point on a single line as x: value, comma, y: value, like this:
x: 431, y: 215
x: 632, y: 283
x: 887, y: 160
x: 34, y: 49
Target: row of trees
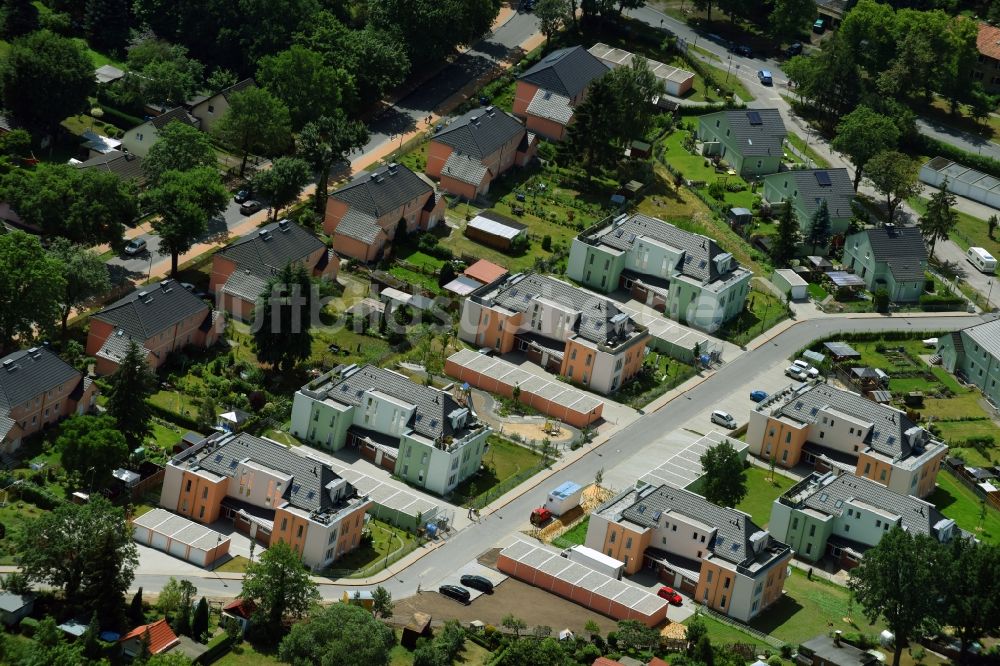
x: 782, y: 20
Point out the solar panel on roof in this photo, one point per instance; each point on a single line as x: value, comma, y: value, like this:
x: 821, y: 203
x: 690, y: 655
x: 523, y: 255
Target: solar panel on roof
x: 823, y: 178
x: 754, y: 118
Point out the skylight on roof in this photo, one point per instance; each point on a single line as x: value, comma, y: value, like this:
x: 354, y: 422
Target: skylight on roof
x: 218, y: 457
x: 824, y: 497
x: 891, y: 440
x: 823, y: 178
x: 754, y: 118
x: 434, y: 423
x: 839, y: 503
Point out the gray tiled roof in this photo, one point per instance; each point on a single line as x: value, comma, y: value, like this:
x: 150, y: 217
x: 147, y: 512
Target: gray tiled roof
x: 237, y: 87
x: 566, y: 71
x: 269, y: 249
x: 31, y: 373
x: 359, y: 225
x: 757, y: 140
x: 550, y: 105
x: 6, y: 425
x: 838, y: 194
x: 383, y: 190
x: 152, y: 309
x: 430, y: 418
x: 481, y: 132
x: 116, y: 346
x: 180, y: 114
x: 902, y: 248
x: 307, y: 490
x: 127, y: 166
x: 245, y: 285
x: 985, y: 335
x: 464, y: 169
x: 918, y: 516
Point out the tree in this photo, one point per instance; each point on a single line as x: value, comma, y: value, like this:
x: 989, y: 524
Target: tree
x: 17, y: 18
x: 282, y: 183
x: 85, y: 275
x: 128, y: 394
x: 819, y: 227
x: 15, y: 143
x: 85, y: 550
x: 172, y: 595
x: 199, y: 625
x: 90, y: 638
x: 136, y: 614
x: 991, y: 225
x: 45, y: 78
x: 589, y: 137
x: 179, y: 147
x: 545, y: 652
x: 634, y: 635
x: 256, y: 122
x: 513, y: 623
x: 207, y: 413
x: 894, y: 176
x: 283, y: 319
x: 280, y: 586
x: 972, y: 594
x: 431, y: 29
x: 106, y: 24
x: 446, y: 275
x: 31, y: 282
x: 338, y: 634
x: 861, y: 135
x: 725, y: 479
x: 92, y: 447
x: 326, y: 142
x: 307, y: 85
x: 382, y: 602
x: 940, y: 219
x: 553, y: 16
x: 880, y: 300
x: 186, y: 592
x: 184, y: 202
x: 16, y: 583
x: 789, y: 17
x: 696, y: 629
x: 164, y: 72
x: 786, y: 241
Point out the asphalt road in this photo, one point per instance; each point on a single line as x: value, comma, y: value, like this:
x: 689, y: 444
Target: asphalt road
x: 965, y: 140
x: 470, y: 542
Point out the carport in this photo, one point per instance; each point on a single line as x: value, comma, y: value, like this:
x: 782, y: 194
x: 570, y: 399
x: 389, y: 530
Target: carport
x: 684, y: 470
x: 180, y: 537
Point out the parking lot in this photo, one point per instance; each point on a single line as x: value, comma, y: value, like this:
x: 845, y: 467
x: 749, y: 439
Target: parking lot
x: 475, y: 569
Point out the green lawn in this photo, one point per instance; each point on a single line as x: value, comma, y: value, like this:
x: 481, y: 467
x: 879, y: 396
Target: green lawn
x: 646, y: 388
x: 245, y: 654
x: 505, y: 460
x: 282, y: 436
x: 574, y: 536
x: 369, y: 558
x: 763, y: 310
x: 427, y: 282
x: 731, y: 82
x: 237, y: 564
x: 698, y: 168
x: 14, y: 516
x: 817, y: 291
x: 761, y: 493
x: 165, y: 437
x: 723, y: 634
x: 818, y: 161
x: 176, y: 402
x: 969, y: 232
x: 960, y: 504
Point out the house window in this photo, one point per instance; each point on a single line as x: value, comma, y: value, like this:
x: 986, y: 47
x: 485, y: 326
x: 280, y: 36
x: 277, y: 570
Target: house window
x: 201, y: 512
x: 614, y: 535
x: 847, y: 528
x: 572, y: 354
x: 784, y: 456
x: 868, y: 468
x: 882, y: 475
x: 809, y: 548
x: 708, y: 579
x: 795, y: 523
x: 878, y: 523
x: 788, y: 437
x: 722, y: 604
x: 725, y: 583
x: 812, y: 530
x: 204, y: 492
x: 188, y: 488
x: 299, y: 533
x: 628, y: 544
x: 284, y: 524
x: 695, y: 536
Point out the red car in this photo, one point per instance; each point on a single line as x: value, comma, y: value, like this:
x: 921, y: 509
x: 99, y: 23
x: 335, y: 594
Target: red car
x: 671, y: 596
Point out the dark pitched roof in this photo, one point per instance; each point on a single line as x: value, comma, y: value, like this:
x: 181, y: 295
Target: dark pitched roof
x: 28, y: 373
x: 917, y: 516
x: 180, y: 114
x: 986, y: 335
x: 826, y: 649
x: 481, y: 132
x: 383, y: 190
x: 127, y: 166
x: 902, y: 248
x: 237, y: 87
x: 153, y: 308
x: 753, y: 138
x: 814, y: 185
x: 566, y: 71
x: 267, y: 250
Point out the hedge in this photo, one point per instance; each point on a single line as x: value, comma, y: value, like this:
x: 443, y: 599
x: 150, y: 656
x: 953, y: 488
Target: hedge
x: 938, y: 303
x: 217, y: 647
x: 925, y: 145
x: 174, y: 417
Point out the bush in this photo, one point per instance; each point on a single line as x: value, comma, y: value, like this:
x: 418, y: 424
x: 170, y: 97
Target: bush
x: 29, y: 626
x: 938, y: 302
x: 926, y: 145
x: 547, y: 242
x: 717, y: 190
x: 774, y: 661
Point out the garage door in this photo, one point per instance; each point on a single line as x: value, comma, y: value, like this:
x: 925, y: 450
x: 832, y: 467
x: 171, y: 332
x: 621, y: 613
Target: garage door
x: 159, y: 541
x: 141, y: 534
x: 178, y: 549
x: 198, y: 556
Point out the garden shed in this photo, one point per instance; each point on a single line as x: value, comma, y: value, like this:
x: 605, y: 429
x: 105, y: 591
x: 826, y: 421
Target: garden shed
x: 790, y: 284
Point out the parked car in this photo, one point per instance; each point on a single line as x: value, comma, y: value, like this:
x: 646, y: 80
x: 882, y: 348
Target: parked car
x: 540, y: 516
x: 670, y: 595
x: 758, y: 395
x: 135, y: 247
x: 794, y: 49
x: 250, y: 207
x: 724, y: 419
x: 245, y: 194
x: 819, y: 27
x: 743, y: 50
x: 795, y: 372
x: 455, y: 592
x: 806, y: 368
x: 764, y: 76
x: 478, y: 583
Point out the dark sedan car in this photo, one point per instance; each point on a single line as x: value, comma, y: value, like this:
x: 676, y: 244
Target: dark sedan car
x: 455, y: 592
x: 478, y: 583
x: 250, y: 207
x: 245, y: 194
x: 743, y: 50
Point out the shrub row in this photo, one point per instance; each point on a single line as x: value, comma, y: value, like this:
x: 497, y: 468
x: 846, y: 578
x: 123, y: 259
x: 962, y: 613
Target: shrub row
x: 925, y: 145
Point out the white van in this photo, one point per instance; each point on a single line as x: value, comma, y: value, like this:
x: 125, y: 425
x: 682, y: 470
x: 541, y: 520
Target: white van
x: 981, y: 259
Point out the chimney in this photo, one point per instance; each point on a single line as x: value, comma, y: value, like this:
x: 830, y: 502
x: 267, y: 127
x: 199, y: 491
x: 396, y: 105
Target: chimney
x: 836, y: 637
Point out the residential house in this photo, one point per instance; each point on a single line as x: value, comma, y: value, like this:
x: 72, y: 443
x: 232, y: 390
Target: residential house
x: 209, y: 108
x: 239, y: 611
x: 805, y: 189
x: 974, y: 353
x: 580, y: 335
x: 548, y: 91
x: 749, y: 140
x: 159, y: 635
x: 15, y: 607
x: 987, y: 68
x: 475, y: 276
x: 838, y: 515
x: 831, y: 428
x: 364, y: 215
x: 476, y: 149
x: 420, y: 433
x: 271, y: 493
x: 140, y: 138
x: 715, y: 554
x: 160, y: 318
x: 241, y: 270
x: 686, y: 276
x: 38, y: 389
x: 127, y: 166
x: 891, y: 258
x: 824, y: 650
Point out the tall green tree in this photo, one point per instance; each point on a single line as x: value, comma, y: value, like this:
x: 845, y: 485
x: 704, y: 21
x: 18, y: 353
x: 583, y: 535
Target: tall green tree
x: 307, y: 85
x: 788, y: 18
x: 725, y: 480
x: 164, y: 72
x: 538, y: 652
x: 283, y: 319
x: 786, y: 241
x: 280, y: 586
x: 894, y: 176
x: 256, y: 122
x: 972, y: 596
x: 86, y: 551
x: 45, y: 78
x: 589, y: 137
x: 861, y: 135
x: 819, y: 227
x: 106, y: 24
x: 179, y: 147
x: 136, y: 613
x: 131, y: 385
x: 338, y: 634
x: 431, y: 29
x: 381, y: 602
x: 898, y: 581
x: 31, y: 282
x: 831, y: 79
x: 282, y: 184
x: 85, y: 275
x: 199, y: 624
x: 184, y: 202
x: 324, y: 143
x: 92, y: 447
x: 17, y: 18
x: 553, y: 16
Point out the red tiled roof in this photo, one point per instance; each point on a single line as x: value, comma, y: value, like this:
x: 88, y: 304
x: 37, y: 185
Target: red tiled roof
x: 656, y: 661
x: 604, y: 661
x: 161, y: 636
x: 241, y: 607
x: 485, y: 271
x: 988, y: 41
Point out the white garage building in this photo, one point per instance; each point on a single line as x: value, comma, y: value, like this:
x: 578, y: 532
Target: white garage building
x: 962, y: 180
x: 180, y: 537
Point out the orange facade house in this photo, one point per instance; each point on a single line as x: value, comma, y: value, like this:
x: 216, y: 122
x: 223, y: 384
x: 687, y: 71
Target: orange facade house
x: 830, y: 428
x: 714, y: 554
x: 161, y: 318
x: 240, y: 271
x: 567, y: 330
x: 38, y: 389
x: 364, y: 215
x: 269, y: 492
x: 548, y: 92
x: 476, y: 148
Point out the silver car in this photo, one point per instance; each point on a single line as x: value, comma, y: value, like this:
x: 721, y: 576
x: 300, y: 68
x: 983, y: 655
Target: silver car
x: 724, y: 419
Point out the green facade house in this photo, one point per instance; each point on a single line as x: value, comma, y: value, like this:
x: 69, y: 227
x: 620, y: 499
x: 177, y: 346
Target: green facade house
x: 804, y: 189
x: 975, y: 353
x: 891, y: 257
x: 750, y: 140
